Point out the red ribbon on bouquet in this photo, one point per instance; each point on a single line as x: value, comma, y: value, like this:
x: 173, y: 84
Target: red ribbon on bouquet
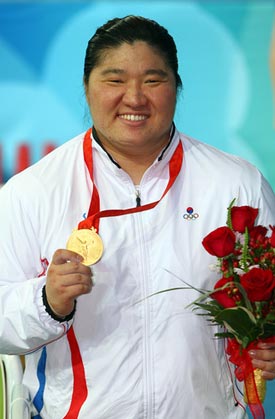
x: 240, y: 357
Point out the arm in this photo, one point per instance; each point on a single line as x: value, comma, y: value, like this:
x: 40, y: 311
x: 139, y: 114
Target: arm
x: 24, y: 324
x: 264, y: 356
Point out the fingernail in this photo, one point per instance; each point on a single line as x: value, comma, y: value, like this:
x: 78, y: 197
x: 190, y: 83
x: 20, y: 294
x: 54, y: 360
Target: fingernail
x: 252, y: 353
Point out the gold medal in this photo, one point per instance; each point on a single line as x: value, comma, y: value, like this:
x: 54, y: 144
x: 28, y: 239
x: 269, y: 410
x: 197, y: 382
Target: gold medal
x: 87, y: 243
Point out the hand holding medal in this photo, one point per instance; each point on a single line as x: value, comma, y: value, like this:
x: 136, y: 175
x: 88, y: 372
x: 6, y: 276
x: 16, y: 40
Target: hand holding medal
x: 87, y: 243
x: 67, y: 279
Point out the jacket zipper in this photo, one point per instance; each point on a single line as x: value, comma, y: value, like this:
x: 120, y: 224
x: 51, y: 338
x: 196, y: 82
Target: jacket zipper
x: 138, y: 198
x: 148, y: 379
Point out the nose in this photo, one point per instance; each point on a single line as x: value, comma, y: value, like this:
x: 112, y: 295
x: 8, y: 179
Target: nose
x: 134, y: 95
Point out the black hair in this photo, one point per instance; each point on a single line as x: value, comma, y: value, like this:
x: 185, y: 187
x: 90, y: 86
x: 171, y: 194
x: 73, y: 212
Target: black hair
x: 128, y: 30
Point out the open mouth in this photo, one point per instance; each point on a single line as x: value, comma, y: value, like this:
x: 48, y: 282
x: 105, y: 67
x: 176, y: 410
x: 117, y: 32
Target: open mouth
x: 131, y: 117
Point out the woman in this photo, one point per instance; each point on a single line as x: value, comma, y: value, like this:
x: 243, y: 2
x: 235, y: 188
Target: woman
x: 108, y: 351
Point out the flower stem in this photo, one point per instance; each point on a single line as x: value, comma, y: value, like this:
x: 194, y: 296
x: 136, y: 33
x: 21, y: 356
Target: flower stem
x: 245, y: 251
x: 229, y: 219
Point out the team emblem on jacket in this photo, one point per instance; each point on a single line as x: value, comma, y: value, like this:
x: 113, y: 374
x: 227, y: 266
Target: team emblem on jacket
x: 190, y: 214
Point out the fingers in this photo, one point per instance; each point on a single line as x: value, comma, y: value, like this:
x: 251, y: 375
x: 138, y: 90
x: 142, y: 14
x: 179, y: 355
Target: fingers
x: 62, y: 256
x: 66, y: 269
x: 264, y: 358
x: 62, y: 291
x: 265, y: 345
x: 67, y: 279
x: 69, y: 273
x: 267, y: 367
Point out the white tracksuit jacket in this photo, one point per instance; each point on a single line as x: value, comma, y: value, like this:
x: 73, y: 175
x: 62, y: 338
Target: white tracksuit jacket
x: 126, y: 356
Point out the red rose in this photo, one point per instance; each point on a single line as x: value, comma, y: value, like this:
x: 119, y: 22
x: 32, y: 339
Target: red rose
x: 224, y: 297
x: 272, y: 238
x: 258, y: 284
x: 258, y: 234
x: 220, y: 242
x: 242, y: 217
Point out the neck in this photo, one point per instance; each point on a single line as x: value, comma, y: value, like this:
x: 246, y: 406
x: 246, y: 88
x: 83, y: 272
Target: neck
x: 134, y: 167
x: 134, y: 162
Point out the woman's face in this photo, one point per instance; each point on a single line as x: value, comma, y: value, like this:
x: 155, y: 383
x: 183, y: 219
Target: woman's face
x: 132, y: 95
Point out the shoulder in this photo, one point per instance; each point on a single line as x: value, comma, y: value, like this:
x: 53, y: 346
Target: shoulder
x: 48, y: 183
x: 215, y: 176
x: 59, y: 158
x: 214, y: 162
x: 50, y: 170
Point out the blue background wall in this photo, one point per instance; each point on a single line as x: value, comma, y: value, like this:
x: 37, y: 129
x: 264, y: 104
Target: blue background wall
x: 224, y: 52
x: 224, y: 47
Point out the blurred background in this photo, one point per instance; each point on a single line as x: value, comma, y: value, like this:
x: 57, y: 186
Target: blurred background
x: 226, y: 55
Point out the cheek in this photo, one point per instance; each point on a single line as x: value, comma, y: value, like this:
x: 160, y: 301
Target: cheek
x: 103, y: 100
x: 166, y: 102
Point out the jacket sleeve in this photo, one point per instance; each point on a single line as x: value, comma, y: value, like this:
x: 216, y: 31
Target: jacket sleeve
x: 24, y: 324
x: 266, y: 204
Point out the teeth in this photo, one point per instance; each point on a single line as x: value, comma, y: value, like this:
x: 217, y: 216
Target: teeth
x: 133, y: 117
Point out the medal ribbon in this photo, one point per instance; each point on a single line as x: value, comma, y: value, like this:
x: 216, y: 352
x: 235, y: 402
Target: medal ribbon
x: 95, y: 214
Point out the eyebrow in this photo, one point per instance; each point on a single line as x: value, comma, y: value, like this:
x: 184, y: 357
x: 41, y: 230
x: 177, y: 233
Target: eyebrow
x: 149, y: 72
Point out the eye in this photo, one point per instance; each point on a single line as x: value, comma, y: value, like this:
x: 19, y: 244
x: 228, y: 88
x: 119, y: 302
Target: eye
x: 115, y: 81
x: 152, y: 81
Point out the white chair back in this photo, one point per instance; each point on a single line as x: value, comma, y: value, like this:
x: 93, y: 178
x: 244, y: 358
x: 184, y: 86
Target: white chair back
x: 15, y: 400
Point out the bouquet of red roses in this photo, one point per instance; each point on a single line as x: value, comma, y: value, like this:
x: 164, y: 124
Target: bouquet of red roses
x: 243, y: 299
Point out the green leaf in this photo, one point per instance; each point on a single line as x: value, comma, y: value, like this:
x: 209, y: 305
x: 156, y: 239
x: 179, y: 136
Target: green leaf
x: 241, y: 323
x: 212, y: 308
x: 270, y: 318
x: 268, y: 330
x: 244, y: 295
x: 224, y: 335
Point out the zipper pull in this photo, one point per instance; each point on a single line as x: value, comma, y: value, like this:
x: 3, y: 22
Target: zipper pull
x: 138, y: 199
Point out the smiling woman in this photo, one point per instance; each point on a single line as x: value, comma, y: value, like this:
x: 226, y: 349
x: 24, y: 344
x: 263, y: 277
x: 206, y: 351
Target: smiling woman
x: 131, y: 82
x: 98, y: 225
x: 132, y: 96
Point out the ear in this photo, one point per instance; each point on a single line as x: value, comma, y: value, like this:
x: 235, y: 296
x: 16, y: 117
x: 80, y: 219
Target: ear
x: 85, y: 89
